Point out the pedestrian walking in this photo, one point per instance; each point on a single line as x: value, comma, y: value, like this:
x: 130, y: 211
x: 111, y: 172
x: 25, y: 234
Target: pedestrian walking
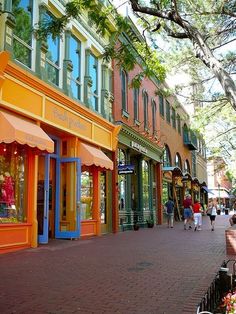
x: 212, y: 212
x: 197, y: 215
x: 170, y: 205
x: 188, y: 212
x: 232, y: 220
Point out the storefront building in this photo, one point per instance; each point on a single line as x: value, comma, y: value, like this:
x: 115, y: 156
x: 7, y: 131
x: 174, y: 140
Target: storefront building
x: 138, y: 179
x: 57, y: 145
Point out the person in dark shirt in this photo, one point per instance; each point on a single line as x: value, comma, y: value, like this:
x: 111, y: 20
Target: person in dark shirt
x: 169, y: 205
x: 188, y: 211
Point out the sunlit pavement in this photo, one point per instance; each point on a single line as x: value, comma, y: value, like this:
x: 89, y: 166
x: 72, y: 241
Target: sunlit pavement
x: 157, y: 270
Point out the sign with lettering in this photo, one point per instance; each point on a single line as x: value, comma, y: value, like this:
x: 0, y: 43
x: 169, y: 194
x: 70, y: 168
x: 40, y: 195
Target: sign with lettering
x: 138, y: 147
x: 125, y: 169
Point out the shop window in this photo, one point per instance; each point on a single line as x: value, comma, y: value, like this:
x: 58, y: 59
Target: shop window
x: 146, y: 185
x: 86, y: 195
x: 103, y: 207
x: 13, y: 174
x: 122, y: 181
x: 22, y: 37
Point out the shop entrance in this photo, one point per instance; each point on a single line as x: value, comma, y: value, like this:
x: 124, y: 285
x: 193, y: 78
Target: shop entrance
x: 58, y: 198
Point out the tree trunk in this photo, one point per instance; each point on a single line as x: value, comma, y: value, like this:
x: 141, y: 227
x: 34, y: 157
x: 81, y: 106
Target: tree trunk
x: 204, y: 53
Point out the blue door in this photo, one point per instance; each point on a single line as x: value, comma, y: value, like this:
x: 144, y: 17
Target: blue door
x: 43, y: 198
x: 67, y: 218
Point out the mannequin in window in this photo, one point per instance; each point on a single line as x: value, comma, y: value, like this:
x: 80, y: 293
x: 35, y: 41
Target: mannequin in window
x: 7, y: 189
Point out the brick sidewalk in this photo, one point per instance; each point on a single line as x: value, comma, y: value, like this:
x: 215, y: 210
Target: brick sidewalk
x: 151, y: 271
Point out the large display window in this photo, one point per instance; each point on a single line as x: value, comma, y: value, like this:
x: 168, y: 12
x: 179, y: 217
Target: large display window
x: 86, y: 211
x: 13, y: 173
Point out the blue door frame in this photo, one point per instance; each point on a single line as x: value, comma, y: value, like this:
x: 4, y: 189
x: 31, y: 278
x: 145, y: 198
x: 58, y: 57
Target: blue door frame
x: 43, y: 238
x: 67, y: 234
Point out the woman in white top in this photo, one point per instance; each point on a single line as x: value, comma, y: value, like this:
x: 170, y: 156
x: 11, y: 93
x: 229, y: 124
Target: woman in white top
x: 212, y: 212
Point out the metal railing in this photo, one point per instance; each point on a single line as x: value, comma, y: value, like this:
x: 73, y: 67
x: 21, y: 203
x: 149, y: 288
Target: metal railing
x: 223, y: 282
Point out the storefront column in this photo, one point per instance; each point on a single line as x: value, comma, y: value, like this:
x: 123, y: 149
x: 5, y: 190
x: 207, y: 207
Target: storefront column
x: 159, y: 209
x: 96, y: 199
x: 115, y: 188
x: 32, y: 197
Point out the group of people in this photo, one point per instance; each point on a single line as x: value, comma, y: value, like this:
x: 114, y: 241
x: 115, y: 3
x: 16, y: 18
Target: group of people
x: 192, y: 212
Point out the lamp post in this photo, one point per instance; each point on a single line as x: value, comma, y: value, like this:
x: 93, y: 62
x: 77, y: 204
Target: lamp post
x: 219, y: 197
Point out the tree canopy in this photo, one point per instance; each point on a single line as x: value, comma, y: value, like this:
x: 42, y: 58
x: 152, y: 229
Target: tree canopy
x: 203, y: 25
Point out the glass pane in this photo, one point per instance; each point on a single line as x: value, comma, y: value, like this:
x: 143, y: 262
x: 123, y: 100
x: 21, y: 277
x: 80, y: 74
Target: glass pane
x: 103, y: 212
x: 145, y: 185
x: 40, y: 194
x: 67, y: 204
x: 86, y: 210
x: 23, y: 30
x: 22, y: 12
x: 75, y: 57
x: 13, y: 187
x: 52, y: 73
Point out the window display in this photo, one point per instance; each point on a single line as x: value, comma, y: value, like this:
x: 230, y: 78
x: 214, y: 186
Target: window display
x: 12, y: 184
x: 86, y: 196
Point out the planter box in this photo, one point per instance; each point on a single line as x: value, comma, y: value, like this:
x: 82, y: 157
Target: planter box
x: 230, y: 238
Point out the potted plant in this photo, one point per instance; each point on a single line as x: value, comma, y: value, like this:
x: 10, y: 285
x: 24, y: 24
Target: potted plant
x: 150, y: 223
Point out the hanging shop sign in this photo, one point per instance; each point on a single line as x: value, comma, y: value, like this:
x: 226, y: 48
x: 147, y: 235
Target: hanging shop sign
x: 178, y: 181
x: 138, y: 147
x: 125, y: 169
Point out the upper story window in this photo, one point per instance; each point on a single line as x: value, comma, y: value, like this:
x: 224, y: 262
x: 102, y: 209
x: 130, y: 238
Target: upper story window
x: 136, y: 103
x: 22, y: 37
x: 124, y: 86
x: 179, y: 123
x: 186, y: 166
x: 52, y: 56
x: 166, y: 157
x: 75, y: 57
x: 145, y: 109
x: 93, y: 73
x: 173, y: 118
x: 161, y: 105
x: 154, y: 119
x: 178, y: 162
x: 167, y: 111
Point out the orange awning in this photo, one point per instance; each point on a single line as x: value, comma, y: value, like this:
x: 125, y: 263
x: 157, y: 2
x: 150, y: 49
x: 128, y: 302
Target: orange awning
x: 14, y: 129
x: 90, y: 155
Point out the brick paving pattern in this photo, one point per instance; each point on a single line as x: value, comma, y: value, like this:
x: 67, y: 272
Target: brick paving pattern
x: 151, y: 271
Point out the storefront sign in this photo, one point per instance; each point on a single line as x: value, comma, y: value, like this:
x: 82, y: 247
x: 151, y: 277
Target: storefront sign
x: 138, y: 147
x: 178, y: 181
x: 125, y: 169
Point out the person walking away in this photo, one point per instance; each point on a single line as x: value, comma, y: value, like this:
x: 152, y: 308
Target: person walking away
x: 232, y: 220
x: 197, y: 215
x: 212, y: 212
x: 169, y: 205
x: 188, y: 214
